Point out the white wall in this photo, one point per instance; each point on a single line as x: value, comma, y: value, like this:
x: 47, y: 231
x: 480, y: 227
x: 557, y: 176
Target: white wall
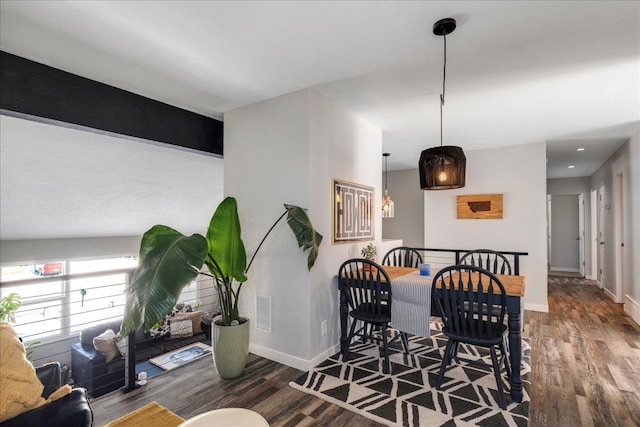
x: 564, y: 186
x: 519, y: 173
x: 287, y: 150
x: 408, y: 221
x: 565, y: 254
x: 346, y: 147
x: 626, y: 161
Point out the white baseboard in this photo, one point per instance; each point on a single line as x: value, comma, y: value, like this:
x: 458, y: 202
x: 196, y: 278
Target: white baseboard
x: 610, y: 294
x: 632, y: 308
x: 277, y: 356
x: 544, y: 308
x: 568, y: 270
x: 324, y: 356
x: 292, y: 361
x: 589, y: 277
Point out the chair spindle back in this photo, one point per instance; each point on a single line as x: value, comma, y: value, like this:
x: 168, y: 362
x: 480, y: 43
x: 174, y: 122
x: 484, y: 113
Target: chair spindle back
x: 490, y: 260
x: 470, y: 300
x: 365, y: 282
x: 402, y: 257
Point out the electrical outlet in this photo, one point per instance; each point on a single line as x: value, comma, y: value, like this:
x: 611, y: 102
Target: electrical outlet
x: 323, y: 327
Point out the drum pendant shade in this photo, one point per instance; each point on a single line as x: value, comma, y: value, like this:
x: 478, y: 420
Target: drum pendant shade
x: 442, y: 168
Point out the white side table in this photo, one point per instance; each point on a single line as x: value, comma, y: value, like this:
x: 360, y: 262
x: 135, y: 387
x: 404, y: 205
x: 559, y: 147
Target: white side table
x: 227, y: 417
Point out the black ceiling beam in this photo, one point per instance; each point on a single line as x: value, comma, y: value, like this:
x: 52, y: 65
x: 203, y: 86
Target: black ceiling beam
x: 32, y: 89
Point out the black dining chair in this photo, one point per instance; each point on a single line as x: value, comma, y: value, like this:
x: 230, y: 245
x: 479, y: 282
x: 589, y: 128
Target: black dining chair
x: 490, y: 260
x: 472, y: 304
x: 402, y: 256
x: 367, y: 288
x: 487, y: 259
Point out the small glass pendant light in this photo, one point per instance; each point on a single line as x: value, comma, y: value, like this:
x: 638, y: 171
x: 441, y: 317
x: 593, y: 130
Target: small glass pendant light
x: 387, y: 203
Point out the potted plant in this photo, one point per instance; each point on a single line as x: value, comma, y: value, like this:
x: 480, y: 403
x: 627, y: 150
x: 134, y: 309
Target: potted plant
x: 169, y: 261
x: 369, y: 253
x: 8, y: 307
x: 9, y: 304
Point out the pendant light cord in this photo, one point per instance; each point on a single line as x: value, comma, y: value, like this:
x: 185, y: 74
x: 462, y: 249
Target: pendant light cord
x: 444, y: 78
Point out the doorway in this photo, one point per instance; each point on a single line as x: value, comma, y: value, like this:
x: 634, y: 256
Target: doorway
x: 618, y: 192
x: 601, y: 243
x: 565, y: 213
x: 594, y: 235
x: 581, y: 240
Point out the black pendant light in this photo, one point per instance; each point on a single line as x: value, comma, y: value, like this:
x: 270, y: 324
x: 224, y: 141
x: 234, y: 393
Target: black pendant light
x: 388, y: 207
x: 443, y: 167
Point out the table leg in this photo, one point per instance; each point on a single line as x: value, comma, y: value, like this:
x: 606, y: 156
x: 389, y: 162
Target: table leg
x: 344, y: 312
x: 515, y: 349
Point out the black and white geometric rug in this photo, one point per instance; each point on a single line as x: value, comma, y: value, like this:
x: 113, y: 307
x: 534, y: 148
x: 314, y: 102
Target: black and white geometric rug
x: 407, y: 396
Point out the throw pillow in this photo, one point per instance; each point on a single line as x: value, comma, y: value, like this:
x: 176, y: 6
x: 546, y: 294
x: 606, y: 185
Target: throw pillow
x: 162, y: 328
x: 20, y: 388
x: 180, y: 328
x: 195, y: 317
x: 104, y: 343
x: 122, y: 343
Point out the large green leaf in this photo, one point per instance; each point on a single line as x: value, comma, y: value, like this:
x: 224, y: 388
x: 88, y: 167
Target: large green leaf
x: 227, y: 256
x: 168, y: 262
x: 308, y: 238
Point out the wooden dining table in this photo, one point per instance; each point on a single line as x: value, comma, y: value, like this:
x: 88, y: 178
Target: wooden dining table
x: 514, y: 287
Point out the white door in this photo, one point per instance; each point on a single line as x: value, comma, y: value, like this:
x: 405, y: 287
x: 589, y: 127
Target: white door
x: 548, y: 229
x: 594, y: 235
x: 601, y: 242
x: 581, y: 233
x: 619, y: 236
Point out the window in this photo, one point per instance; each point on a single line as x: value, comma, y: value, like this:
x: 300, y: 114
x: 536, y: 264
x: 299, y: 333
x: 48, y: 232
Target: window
x: 94, y: 299
x: 82, y: 296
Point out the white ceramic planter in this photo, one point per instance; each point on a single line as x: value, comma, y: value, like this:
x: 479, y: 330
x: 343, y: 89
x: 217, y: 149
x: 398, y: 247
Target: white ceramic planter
x: 230, y: 348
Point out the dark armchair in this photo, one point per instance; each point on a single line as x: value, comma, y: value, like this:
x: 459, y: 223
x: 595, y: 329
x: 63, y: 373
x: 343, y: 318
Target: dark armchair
x: 72, y: 410
x: 90, y: 367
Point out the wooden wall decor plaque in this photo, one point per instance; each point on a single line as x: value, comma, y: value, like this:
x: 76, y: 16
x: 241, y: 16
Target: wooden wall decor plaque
x: 480, y: 206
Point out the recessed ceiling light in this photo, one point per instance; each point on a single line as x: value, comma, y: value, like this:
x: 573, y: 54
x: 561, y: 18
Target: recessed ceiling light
x: 580, y: 149
x: 571, y: 166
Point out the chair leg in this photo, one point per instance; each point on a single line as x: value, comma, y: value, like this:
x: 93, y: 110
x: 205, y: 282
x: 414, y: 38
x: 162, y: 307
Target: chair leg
x: 445, y: 361
x: 345, y: 353
x: 385, y: 366
x: 505, y: 341
x: 496, y: 372
x: 456, y: 347
x: 367, y: 332
x: 405, y: 342
x: 505, y: 356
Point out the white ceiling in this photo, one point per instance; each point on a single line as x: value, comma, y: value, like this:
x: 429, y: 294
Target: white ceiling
x: 518, y: 72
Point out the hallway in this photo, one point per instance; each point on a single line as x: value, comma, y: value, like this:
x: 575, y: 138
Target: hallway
x: 585, y: 358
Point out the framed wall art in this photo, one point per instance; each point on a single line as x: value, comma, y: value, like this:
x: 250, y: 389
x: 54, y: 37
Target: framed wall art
x: 480, y: 206
x: 352, y: 215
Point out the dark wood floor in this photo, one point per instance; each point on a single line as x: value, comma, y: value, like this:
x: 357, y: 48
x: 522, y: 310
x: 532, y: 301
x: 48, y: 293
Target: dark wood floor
x: 585, y: 372
x: 585, y: 359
